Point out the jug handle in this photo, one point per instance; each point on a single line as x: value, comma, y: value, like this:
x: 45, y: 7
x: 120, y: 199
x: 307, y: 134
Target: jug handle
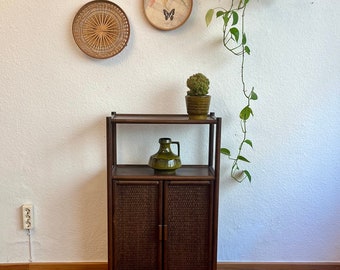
x: 178, y: 148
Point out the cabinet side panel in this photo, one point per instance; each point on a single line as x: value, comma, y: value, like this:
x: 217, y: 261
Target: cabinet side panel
x: 109, y: 187
x: 189, y: 227
x: 135, y: 222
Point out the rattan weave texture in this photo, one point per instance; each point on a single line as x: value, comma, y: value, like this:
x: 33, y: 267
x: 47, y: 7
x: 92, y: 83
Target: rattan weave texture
x: 136, y: 227
x: 188, y: 227
x: 101, y: 29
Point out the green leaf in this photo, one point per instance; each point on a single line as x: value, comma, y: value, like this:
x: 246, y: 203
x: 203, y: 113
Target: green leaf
x: 244, y: 39
x: 247, y: 50
x: 246, y: 112
x: 235, y: 17
x: 243, y: 159
x: 219, y: 13
x: 249, y: 142
x: 253, y: 95
x: 208, y: 16
x: 246, y: 2
x: 225, y: 151
x: 235, y: 33
x: 226, y: 18
x: 247, y: 174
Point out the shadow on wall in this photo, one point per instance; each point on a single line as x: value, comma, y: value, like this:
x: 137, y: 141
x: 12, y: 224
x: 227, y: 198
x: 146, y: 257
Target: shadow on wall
x: 75, y: 170
x: 92, y: 217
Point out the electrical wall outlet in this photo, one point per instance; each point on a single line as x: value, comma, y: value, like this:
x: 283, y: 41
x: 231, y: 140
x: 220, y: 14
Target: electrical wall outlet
x: 27, y: 216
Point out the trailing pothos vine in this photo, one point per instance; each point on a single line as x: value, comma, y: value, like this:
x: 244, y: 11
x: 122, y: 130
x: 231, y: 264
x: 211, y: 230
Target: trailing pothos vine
x: 235, y: 41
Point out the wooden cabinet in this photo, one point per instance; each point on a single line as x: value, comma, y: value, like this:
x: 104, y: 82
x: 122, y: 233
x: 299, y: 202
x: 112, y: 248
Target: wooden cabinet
x: 162, y: 221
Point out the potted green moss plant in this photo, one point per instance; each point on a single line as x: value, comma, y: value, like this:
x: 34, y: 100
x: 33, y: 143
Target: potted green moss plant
x: 197, y: 98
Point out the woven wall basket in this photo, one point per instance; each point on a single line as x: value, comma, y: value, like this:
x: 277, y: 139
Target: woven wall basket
x: 101, y: 29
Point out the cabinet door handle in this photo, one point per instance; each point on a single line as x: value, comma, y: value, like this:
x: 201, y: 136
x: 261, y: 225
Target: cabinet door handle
x: 160, y: 232
x: 163, y: 232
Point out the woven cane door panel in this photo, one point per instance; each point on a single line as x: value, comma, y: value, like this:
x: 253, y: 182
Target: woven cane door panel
x: 187, y: 219
x: 136, y: 220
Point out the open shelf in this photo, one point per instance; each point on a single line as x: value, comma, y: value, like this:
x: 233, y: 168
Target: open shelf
x: 143, y: 172
x: 160, y: 119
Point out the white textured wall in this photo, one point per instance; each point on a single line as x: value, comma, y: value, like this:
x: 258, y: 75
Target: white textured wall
x: 54, y: 100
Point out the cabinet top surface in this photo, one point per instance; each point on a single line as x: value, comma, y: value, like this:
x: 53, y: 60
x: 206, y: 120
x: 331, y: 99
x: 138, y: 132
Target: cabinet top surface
x: 160, y: 119
x: 142, y: 172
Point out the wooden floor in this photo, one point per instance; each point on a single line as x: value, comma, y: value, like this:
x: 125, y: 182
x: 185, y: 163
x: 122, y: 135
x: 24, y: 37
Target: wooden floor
x: 220, y: 266
x: 279, y: 266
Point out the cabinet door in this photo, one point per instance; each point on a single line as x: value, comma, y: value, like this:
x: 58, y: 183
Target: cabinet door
x: 136, y: 219
x: 188, y: 221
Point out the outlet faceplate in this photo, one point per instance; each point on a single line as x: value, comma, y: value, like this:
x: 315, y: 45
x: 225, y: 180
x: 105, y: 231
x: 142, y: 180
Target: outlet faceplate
x: 27, y: 216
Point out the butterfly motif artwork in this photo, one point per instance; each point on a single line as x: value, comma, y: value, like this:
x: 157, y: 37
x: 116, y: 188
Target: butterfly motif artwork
x: 169, y: 15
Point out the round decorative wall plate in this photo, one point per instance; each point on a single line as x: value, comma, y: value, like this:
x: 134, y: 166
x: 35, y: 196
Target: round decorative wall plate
x: 167, y: 14
x: 101, y: 29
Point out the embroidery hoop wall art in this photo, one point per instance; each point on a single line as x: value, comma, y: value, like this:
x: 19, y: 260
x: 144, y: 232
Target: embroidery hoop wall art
x: 167, y: 14
x: 101, y: 29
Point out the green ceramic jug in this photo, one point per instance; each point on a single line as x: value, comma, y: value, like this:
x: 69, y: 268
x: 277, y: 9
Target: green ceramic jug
x: 165, y: 161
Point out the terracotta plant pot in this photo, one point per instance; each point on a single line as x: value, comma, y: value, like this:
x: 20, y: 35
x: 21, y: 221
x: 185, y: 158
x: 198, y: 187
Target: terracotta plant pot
x: 198, y: 106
